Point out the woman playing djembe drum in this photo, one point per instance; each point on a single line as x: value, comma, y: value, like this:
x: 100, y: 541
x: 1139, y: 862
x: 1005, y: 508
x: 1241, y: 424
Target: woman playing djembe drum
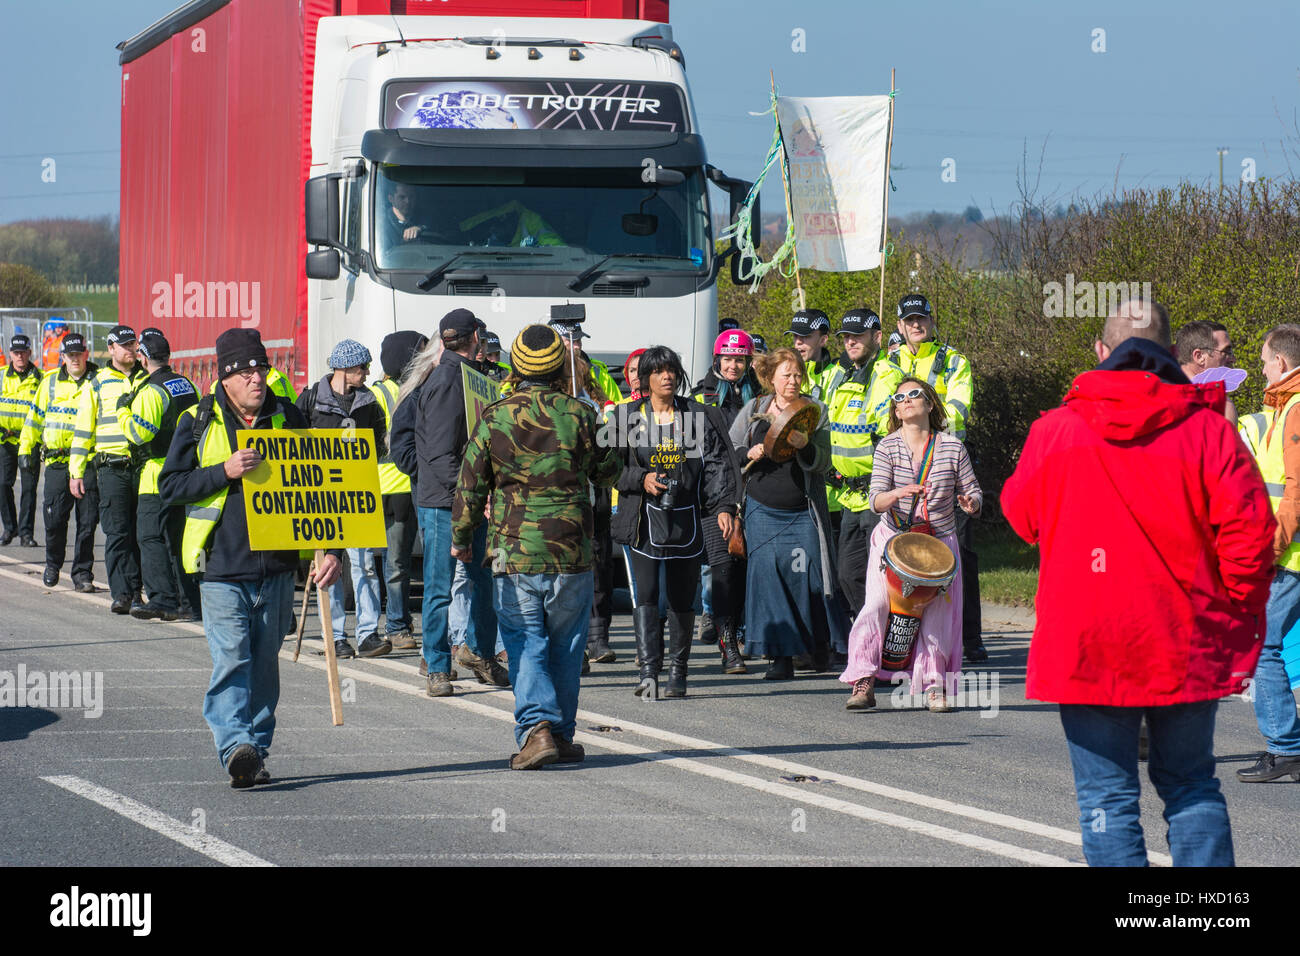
x: 915, y: 472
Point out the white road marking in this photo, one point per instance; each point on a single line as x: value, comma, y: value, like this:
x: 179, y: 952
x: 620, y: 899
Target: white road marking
x: 802, y: 797
x: 210, y: 846
x: 595, y: 858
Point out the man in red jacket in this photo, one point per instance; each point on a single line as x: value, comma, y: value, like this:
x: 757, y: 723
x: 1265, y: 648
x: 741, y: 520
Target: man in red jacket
x: 1156, y: 556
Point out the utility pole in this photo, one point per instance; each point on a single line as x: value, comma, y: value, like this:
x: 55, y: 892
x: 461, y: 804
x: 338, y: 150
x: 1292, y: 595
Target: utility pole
x: 1222, y: 151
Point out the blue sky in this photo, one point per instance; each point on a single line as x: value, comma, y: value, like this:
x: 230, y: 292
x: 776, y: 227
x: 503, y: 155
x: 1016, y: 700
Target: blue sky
x: 981, y: 83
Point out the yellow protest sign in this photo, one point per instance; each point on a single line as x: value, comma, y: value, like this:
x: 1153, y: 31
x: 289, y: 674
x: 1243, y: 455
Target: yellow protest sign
x: 315, y: 488
x: 480, y: 392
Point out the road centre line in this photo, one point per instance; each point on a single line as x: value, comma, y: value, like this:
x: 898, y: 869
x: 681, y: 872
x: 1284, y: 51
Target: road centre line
x: 798, y: 796
x: 212, y: 847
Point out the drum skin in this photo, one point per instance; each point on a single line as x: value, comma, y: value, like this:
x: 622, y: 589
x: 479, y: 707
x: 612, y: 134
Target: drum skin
x: 803, y: 415
x: 917, y: 569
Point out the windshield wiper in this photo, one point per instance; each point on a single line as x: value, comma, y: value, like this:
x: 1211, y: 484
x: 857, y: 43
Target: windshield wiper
x: 431, y: 279
x: 577, y: 281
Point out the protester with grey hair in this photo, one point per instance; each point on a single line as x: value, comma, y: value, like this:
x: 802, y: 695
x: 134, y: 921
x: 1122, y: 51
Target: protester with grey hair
x: 341, y: 400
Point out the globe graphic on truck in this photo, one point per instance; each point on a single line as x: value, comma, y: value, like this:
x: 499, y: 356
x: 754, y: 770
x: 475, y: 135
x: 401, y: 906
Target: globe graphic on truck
x: 444, y: 112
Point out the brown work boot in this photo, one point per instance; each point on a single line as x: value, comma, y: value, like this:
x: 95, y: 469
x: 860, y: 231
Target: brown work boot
x: 487, y: 672
x: 403, y: 641
x: 539, y: 749
x: 863, y: 696
x: 569, y: 751
x: 439, y: 685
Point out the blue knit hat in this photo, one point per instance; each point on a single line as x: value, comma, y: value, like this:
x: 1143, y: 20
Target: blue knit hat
x: 348, y: 354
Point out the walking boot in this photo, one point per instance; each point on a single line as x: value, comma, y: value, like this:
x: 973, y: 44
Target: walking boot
x: 649, y: 649
x: 708, y: 629
x: 681, y: 628
x: 732, y: 662
x: 598, y: 648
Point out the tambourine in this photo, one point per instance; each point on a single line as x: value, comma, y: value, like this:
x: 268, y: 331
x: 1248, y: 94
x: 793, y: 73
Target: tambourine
x: 802, y: 415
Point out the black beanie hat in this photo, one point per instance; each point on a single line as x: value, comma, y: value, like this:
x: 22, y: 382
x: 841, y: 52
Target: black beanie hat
x: 238, y: 349
x: 397, y: 350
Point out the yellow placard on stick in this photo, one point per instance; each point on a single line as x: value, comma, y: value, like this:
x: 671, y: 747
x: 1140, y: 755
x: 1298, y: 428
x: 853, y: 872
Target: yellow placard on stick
x: 480, y: 392
x: 315, y: 488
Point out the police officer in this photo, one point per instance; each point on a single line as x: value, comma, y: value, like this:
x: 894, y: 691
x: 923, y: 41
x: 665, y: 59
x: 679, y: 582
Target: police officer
x: 247, y: 595
x: 48, y: 433
x: 811, y: 329
x: 19, y: 381
x: 148, y: 416
x: 490, y: 357
x: 99, y: 437
x: 949, y: 372
x: 400, y: 524
x: 859, y: 416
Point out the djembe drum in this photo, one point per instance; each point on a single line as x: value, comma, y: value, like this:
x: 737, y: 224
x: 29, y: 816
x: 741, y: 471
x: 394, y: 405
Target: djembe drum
x: 918, y: 567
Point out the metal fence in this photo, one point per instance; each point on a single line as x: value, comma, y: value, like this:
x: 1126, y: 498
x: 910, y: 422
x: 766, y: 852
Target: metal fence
x: 46, y: 327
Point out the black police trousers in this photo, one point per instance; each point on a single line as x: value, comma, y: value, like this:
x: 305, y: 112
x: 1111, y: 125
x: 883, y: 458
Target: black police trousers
x: 117, y: 516
x: 23, y: 521
x: 59, y: 505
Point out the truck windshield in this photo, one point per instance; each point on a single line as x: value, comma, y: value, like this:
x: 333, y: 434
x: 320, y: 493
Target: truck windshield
x: 424, y: 215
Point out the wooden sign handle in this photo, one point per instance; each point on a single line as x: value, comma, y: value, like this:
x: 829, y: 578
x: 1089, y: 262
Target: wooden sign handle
x: 327, y: 638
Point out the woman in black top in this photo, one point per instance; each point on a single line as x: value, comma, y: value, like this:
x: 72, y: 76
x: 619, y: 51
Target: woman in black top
x: 678, y: 473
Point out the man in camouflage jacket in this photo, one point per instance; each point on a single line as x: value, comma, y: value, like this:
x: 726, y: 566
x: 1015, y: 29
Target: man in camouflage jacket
x: 535, y: 455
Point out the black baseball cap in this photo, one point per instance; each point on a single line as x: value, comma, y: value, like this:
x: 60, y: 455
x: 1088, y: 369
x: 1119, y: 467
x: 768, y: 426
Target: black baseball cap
x: 568, y: 330
x: 121, y: 335
x: 491, y: 342
x: 154, y: 345
x: 859, y: 322
x: 809, y: 322
x: 760, y: 343
x: 73, y: 342
x: 914, y: 304
x: 20, y: 343
x: 727, y: 325
x: 459, y: 321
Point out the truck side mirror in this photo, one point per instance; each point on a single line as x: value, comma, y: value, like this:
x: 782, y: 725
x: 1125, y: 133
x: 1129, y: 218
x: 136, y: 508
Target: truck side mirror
x: 323, y: 264
x: 322, y: 210
x: 737, y: 193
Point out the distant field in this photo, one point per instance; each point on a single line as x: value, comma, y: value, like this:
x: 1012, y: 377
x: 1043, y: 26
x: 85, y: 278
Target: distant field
x: 1008, y: 566
x: 102, y: 304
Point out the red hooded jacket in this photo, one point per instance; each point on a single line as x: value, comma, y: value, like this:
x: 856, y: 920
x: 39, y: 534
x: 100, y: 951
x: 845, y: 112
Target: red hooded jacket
x: 1155, y: 537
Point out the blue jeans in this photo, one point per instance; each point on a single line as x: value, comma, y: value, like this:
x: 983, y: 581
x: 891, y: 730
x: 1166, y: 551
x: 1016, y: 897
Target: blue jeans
x: 1274, y: 702
x: 544, y: 621
x: 439, y: 571
x: 706, y: 588
x: 365, y: 588
x: 245, y: 622
x: 1104, y: 751
x: 458, y: 613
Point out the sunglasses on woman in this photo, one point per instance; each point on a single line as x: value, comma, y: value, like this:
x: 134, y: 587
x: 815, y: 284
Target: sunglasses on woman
x: 900, y: 397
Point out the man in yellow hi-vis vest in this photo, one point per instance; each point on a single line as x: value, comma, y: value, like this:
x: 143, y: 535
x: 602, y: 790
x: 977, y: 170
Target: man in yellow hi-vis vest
x: 400, y: 522
x: 19, y: 382
x: 949, y: 372
x: 99, y: 437
x: 247, y: 595
x: 1279, y: 463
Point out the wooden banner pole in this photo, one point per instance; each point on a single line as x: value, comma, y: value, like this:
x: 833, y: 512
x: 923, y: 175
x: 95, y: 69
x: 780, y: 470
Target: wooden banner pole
x: 884, y: 223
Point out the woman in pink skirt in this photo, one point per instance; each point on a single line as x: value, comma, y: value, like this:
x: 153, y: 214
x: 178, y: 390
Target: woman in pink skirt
x: 917, y: 472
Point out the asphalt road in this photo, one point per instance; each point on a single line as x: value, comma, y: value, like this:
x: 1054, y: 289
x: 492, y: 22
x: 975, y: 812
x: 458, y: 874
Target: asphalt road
x: 741, y: 771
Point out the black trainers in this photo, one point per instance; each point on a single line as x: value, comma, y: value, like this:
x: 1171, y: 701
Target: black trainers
x: 343, y: 650
x: 152, y: 612
x: 85, y: 586
x: 51, y: 577
x: 6, y: 537
x: 975, y: 652
x: 121, y: 606
x: 374, y: 646
x: 1270, y: 767
x: 243, y: 764
x: 28, y: 542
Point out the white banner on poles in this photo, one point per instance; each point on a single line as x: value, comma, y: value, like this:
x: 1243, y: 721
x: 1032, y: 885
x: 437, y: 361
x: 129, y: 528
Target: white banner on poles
x: 836, y: 146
